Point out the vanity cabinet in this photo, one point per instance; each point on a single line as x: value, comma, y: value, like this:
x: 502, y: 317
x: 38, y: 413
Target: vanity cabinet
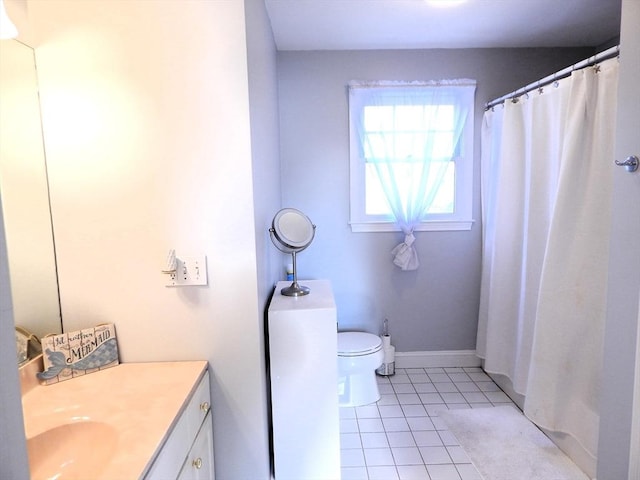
x: 187, y: 453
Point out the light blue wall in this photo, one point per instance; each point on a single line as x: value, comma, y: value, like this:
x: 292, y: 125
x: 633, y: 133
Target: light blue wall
x: 434, y: 308
x: 263, y: 99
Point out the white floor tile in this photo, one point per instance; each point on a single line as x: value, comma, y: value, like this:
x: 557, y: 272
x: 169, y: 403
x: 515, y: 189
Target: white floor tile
x: 435, y: 408
x: 352, y: 458
x: 347, y: 412
x: 395, y: 424
x: 407, y: 456
x: 409, y: 371
x: 472, y: 369
x: 350, y: 440
x: 420, y: 423
x: 443, y: 472
x: 434, y: 370
x: 445, y: 387
x: 427, y: 439
x: 454, y: 369
x: 467, y: 387
x: 438, y: 423
x: 419, y: 377
x: 401, y: 439
x: 412, y: 472
x: 374, y: 457
x: 385, y: 388
x: 475, y: 397
x: 497, y: 397
x: 451, y: 397
x: 414, y: 411
x: 479, y: 377
x: 349, y: 425
x: 387, y: 411
x: 383, y: 473
x: 400, y: 378
x: 430, y: 398
x: 354, y: 473
x: 374, y: 440
x: 448, y: 438
x: 404, y: 388
x: 368, y: 425
x: 439, y: 377
x: 487, y: 386
x: 388, y: 399
x: 368, y: 411
x: 459, y: 377
x: 424, y: 387
x: 435, y: 455
x: 468, y: 472
x: 409, y: 398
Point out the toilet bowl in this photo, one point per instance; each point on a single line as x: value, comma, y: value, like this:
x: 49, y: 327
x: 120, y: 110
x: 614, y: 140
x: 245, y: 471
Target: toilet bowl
x: 359, y: 355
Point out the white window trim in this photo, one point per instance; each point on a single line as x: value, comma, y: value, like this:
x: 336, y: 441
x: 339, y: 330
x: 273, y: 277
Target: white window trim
x: 461, y: 220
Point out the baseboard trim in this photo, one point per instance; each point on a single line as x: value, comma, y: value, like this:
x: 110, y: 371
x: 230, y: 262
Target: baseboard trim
x: 440, y: 358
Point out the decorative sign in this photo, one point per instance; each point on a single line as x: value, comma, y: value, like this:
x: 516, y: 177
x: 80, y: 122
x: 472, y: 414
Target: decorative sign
x: 73, y: 354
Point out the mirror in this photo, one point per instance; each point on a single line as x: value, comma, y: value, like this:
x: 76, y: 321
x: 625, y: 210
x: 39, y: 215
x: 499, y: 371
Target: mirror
x: 291, y: 232
x: 25, y: 195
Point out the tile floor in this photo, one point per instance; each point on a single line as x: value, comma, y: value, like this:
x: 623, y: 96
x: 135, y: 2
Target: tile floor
x: 401, y: 437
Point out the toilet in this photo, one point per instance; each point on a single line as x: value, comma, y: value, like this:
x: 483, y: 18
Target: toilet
x: 359, y: 355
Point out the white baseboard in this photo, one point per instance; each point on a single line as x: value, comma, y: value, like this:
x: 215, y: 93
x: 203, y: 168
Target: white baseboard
x: 441, y: 358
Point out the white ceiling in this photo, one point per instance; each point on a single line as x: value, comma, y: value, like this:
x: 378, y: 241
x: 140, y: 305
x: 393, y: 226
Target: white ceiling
x: 407, y: 24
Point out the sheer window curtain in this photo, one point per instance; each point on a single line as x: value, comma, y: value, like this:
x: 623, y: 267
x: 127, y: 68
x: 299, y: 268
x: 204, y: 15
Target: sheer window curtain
x: 546, y: 165
x: 410, y: 133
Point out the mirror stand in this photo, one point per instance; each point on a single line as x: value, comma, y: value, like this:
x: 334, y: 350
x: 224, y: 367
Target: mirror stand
x: 295, y: 290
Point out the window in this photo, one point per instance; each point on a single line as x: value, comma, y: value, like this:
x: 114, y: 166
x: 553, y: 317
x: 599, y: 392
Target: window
x: 411, y: 155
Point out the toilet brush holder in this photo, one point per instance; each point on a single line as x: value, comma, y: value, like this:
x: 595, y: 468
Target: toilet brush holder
x: 386, y: 369
x: 388, y: 366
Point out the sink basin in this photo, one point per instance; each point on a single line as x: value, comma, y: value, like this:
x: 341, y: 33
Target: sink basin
x: 71, y: 450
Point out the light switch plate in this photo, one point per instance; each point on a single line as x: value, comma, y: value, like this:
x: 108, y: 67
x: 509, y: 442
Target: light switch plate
x: 189, y: 271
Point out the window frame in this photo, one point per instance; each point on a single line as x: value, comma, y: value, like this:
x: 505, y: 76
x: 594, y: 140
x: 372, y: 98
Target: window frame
x: 461, y: 219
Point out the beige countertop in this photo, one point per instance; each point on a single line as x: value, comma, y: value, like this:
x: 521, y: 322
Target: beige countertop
x: 129, y: 409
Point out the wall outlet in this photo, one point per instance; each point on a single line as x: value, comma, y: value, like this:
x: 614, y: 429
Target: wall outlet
x: 189, y: 271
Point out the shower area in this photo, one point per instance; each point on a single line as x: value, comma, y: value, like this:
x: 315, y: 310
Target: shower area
x: 547, y: 152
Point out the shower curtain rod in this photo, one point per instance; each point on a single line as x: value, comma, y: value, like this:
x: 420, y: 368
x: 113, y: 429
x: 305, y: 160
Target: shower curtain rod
x: 598, y: 57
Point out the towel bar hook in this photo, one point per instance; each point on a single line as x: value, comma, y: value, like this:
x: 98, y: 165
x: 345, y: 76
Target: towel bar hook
x: 631, y: 163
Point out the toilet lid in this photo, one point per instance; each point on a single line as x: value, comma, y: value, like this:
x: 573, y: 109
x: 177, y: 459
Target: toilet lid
x: 358, y: 343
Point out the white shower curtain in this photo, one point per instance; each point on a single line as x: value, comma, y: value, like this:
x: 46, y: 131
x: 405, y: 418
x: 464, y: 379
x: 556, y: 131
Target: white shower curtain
x: 546, y: 167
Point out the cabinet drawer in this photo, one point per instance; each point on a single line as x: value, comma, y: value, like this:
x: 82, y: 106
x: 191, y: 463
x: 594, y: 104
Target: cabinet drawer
x: 198, y: 407
x: 199, y: 464
x: 171, y: 457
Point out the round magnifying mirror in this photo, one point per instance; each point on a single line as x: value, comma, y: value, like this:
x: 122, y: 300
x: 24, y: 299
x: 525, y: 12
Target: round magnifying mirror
x: 293, y: 228
x: 291, y: 232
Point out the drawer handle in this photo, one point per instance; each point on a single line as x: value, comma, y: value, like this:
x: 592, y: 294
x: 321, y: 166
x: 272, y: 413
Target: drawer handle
x: 204, y: 406
x: 197, y: 463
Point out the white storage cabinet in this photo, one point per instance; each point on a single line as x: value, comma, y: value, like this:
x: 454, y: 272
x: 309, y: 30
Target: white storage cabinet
x: 303, y: 352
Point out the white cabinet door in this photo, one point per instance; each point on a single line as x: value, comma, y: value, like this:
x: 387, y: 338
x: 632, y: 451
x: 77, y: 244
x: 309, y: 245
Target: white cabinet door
x: 199, y: 464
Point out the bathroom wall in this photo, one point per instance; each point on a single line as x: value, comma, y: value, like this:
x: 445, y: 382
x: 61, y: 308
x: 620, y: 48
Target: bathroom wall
x: 434, y: 308
x: 265, y: 152
x: 149, y: 143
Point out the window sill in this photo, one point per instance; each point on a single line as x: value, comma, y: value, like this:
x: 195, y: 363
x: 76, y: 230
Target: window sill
x: 435, y: 226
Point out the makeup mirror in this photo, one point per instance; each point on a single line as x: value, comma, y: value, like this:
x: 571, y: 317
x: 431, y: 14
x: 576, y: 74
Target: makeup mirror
x: 291, y: 232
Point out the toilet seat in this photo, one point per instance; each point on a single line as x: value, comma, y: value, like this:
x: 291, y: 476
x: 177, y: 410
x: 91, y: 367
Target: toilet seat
x: 355, y: 344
